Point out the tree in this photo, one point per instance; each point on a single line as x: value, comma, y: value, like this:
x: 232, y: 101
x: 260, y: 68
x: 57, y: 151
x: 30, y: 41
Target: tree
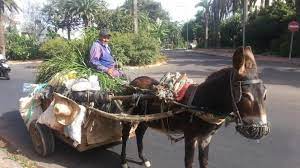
x: 267, y: 3
x: 205, y: 4
x: 150, y: 7
x: 58, y: 15
x: 34, y: 24
x: 86, y: 9
x: 11, y: 6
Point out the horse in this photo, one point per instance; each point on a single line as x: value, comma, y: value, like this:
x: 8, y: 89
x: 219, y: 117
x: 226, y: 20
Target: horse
x: 235, y: 91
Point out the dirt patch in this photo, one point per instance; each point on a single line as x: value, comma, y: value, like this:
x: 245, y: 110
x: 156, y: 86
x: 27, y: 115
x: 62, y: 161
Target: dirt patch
x: 15, y: 155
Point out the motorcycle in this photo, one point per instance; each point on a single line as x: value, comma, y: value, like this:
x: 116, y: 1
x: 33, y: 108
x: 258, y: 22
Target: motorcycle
x: 4, y: 69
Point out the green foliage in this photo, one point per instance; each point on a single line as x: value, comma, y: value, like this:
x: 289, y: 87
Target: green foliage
x: 146, y: 50
x: 132, y: 49
x: 56, y: 47
x: 231, y: 30
x: 268, y: 29
x: 21, y: 47
x: 72, y: 56
x: 150, y: 7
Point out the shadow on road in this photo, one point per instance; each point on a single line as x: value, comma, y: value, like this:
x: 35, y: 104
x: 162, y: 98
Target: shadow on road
x: 64, y: 155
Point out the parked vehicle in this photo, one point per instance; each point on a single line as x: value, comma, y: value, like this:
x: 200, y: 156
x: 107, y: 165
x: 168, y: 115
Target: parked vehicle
x: 4, y: 69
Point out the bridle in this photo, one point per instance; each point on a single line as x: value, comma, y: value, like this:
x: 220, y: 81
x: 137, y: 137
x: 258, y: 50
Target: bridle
x: 236, y: 111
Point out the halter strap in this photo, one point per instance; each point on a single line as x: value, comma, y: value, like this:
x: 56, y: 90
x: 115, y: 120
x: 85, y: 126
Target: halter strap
x: 249, y: 82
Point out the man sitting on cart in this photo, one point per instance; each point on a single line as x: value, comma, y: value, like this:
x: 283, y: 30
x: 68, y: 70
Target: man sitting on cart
x: 101, y: 57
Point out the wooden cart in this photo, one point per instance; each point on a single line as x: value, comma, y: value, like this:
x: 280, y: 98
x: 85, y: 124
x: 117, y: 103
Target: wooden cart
x: 96, y: 131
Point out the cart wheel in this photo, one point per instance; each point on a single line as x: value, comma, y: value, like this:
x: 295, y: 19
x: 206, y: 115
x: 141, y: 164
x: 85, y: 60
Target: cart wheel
x: 42, y: 138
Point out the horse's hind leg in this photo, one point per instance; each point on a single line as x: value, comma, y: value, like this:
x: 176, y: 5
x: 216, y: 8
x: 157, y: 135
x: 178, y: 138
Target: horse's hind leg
x: 190, y: 143
x: 203, y: 147
x: 140, y: 132
x: 125, y: 136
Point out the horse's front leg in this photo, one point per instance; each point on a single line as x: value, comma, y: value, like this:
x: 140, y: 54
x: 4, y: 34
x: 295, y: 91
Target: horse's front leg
x: 203, y: 147
x: 190, y: 143
x: 140, y: 132
x: 125, y: 136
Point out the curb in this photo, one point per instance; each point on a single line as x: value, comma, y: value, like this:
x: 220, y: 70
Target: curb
x: 24, y: 62
x: 146, y: 66
x: 258, y: 57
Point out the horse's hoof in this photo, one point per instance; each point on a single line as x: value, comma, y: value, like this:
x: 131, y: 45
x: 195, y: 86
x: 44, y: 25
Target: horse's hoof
x: 147, y: 164
x: 125, y: 165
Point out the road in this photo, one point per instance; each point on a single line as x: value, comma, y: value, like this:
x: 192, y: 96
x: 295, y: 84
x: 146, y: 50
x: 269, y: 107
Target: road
x: 228, y: 149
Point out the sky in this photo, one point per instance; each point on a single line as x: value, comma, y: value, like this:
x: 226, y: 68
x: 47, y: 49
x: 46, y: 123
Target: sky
x: 179, y: 10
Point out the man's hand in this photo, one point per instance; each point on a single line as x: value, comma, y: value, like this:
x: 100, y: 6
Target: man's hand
x: 110, y: 72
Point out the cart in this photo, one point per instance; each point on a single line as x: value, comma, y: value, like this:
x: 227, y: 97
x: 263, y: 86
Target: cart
x: 100, y: 128
x: 96, y: 130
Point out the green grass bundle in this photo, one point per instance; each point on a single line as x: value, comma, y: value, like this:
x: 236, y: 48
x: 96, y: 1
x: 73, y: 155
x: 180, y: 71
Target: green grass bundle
x: 74, y: 58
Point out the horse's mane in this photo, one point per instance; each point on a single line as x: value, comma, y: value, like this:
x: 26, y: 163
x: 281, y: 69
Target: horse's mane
x: 217, y: 74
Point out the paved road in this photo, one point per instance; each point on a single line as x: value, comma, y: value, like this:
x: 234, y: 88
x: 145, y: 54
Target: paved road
x: 228, y: 149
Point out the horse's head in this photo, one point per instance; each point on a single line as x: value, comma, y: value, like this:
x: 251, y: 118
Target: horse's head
x: 248, y: 96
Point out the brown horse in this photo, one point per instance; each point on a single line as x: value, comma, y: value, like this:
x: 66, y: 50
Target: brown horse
x: 235, y: 91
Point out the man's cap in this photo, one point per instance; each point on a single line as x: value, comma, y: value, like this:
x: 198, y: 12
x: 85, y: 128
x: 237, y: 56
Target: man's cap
x: 104, y: 33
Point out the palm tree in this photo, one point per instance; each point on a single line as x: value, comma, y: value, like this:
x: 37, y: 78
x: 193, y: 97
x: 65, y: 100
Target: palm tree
x: 86, y: 9
x: 206, y: 5
x: 11, y: 6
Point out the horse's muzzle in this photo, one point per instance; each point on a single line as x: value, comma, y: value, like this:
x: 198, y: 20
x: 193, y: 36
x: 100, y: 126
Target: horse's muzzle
x: 253, y: 131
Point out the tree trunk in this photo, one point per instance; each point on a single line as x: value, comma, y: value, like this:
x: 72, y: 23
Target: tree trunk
x: 69, y: 32
x: 234, y: 7
x: 262, y: 2
x: 206, y: 28
x: 218, y: 20
x: 135, y: 16
x: 267, y: 3
x: 2, y: 36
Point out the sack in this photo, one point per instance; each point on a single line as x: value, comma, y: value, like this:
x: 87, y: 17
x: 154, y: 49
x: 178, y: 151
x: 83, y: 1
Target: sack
x: 74, y: 130
x: 30, y: 109
x: 48, y: 118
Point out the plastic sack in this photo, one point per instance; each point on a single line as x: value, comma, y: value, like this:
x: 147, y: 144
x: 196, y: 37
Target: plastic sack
x: 74, y: 129
x: 30, y: 109
x: 29, y: 87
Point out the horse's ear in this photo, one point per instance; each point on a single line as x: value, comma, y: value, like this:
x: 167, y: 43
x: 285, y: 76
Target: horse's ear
x: 250, y: 62
x: 238, y: 60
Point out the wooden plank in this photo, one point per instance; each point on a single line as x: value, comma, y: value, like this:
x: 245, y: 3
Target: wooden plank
x: 136, y: 118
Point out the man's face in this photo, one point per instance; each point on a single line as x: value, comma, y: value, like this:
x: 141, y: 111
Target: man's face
x: 105, y: 39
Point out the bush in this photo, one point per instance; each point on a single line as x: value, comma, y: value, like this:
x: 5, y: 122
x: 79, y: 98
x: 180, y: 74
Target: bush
x: 146, y: 50
x: 268, y: 29
x: 131, y: 49
x: 231, y: 31
x: 21, y: 47
x: 54, y: 48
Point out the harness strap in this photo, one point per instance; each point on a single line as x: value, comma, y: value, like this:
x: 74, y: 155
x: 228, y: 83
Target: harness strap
x: 192, y: 95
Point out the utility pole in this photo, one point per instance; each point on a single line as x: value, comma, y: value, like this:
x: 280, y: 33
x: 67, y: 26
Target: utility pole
x: 245, y: 11
x: 135, y: 16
